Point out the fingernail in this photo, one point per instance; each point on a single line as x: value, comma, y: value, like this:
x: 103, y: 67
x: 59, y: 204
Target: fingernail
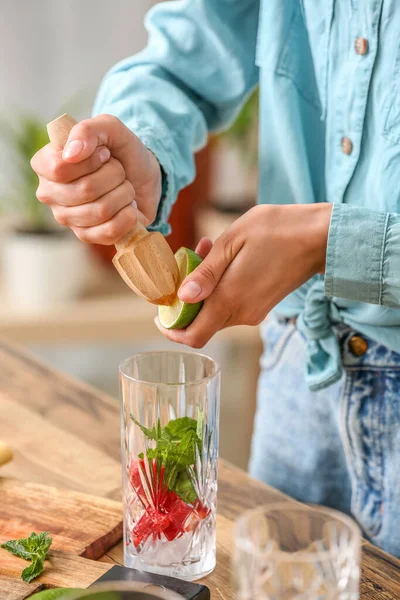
x: 189, y: 291
x: 134, y: 205
x: 73, y: 149
x: 104, y: 155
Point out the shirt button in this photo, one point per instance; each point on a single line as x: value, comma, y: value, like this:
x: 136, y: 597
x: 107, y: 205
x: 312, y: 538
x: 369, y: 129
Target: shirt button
x: 361, y: 46
x: 346, y: 145
x: 358, y: 345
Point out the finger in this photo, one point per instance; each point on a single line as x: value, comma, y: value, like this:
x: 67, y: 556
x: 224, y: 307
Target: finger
x: 83, y: 190
x: 110, y: 232
x: 209, y: 321
x: 103, y: 130
x: 97, y: 212
x: 203, y: 247
x: 49, y: 164
x: 206, y: 276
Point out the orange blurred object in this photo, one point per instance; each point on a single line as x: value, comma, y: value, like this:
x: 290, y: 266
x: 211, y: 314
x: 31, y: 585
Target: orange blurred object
x: 183, y: 215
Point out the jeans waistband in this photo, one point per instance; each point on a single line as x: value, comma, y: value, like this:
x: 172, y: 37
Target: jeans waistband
x: 356, y: 349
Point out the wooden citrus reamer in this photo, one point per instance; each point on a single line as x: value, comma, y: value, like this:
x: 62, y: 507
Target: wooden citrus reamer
x: 144, y: 259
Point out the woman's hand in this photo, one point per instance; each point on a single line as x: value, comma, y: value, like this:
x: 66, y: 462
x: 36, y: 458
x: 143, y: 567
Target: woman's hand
x: 266, y: 254
x: 97, y: 183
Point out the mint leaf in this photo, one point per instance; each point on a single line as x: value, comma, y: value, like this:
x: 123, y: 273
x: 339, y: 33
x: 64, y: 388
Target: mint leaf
x: 175, y: 449
x: 41, y: 542
x: 34, y: 569
x: 184, y: 488
x: 33, y: 548
x: 184, y: 453
x: 17, y: 549
x: 177, y: 428
x: 149, y: 433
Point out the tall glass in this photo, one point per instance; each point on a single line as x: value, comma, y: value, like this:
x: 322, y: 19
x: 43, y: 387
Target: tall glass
x: 169, y: 426
x: 294, y: 552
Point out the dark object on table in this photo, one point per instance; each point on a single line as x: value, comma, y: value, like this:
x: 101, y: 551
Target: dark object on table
x: 188, y: 590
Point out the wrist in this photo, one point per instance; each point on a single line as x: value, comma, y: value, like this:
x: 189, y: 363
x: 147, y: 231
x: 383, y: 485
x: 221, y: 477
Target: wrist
x: 156, y: 169
x: 318, y: 235
x: 158, y: 182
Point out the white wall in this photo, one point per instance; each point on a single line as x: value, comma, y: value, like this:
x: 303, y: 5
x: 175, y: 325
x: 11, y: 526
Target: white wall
x: 50, y: 49
x: 55, y: 52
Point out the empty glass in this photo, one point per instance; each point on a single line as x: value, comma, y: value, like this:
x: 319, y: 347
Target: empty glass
x: 295, y: 552
x: 170, y: 412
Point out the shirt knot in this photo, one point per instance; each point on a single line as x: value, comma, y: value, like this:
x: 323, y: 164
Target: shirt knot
x: 315, y: 322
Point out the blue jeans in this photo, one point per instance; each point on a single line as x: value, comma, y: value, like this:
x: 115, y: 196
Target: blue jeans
x: 340, y: 446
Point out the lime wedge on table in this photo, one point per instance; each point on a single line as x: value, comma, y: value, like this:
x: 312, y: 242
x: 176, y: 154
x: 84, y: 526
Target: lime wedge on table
x: 180, y: 314
x: 58, y: 594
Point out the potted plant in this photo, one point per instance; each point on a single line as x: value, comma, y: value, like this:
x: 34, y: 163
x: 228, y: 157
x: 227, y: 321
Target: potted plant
x: 234, y: 180
x: 42, y: 263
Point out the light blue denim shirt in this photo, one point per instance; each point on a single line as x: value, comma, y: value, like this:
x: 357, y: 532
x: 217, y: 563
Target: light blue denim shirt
x: 328, y: 70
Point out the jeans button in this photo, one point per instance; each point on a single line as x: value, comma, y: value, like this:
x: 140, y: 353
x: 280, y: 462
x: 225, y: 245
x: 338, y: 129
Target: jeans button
x: 358, y: 345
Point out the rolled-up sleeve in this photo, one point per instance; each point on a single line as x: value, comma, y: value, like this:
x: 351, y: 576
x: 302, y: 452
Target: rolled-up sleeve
x: 193, y: 77
x: 363, y: 256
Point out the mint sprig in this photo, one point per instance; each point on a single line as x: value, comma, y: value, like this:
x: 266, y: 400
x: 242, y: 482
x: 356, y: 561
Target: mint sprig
x: 175, y: 448
x: 34, y: 549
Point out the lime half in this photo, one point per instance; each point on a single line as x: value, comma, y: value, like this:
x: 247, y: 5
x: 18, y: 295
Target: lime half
x: 180, y: 314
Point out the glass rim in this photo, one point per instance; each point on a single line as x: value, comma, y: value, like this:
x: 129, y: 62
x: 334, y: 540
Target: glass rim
x: 298, y: 556
x: 124, y: 362
x: 134, y: 586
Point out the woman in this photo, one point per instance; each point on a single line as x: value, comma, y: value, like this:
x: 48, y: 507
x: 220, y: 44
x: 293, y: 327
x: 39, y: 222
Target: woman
x: 322, y: 248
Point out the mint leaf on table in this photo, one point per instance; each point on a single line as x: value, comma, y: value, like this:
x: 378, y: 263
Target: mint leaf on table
x: 33, y: 548
x: 16, y: 548
x: 34, y: 569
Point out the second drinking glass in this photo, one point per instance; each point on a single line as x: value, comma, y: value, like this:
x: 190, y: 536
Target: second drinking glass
x: 169, y: 421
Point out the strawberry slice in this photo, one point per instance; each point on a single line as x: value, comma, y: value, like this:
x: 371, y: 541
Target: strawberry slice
x: 137, y: 482
x: 159, y: 487
x: 179, y: 512
x: 170, y: 500
x: 152, y: 522
x: 199, y: 513
x: 155, y: 484
x: 168, y: 513
x: 135, y: 476
x: 201, y: 509
x: 142, y: 530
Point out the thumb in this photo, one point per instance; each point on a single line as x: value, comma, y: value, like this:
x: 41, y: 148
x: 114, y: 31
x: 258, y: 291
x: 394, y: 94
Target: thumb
x: 104, y: 130
x: 204, y: 279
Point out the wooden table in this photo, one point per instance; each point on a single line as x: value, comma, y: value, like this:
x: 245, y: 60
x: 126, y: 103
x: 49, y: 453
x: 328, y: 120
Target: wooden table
x: 60, y: 428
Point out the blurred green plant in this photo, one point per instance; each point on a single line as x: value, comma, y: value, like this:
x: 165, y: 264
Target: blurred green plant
x: 23, y: 138
x: 244, y: 131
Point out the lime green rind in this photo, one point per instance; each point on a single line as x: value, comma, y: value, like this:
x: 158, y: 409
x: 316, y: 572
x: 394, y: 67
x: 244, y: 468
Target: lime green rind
x: 187, y: 316
x: 181, y: 314
x: 194, y: 259
x: 57, y: 594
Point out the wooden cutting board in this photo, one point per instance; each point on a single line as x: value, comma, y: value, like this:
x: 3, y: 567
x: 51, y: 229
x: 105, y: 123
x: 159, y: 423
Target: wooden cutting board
x: 11, y: 589
x: 83, y: 528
